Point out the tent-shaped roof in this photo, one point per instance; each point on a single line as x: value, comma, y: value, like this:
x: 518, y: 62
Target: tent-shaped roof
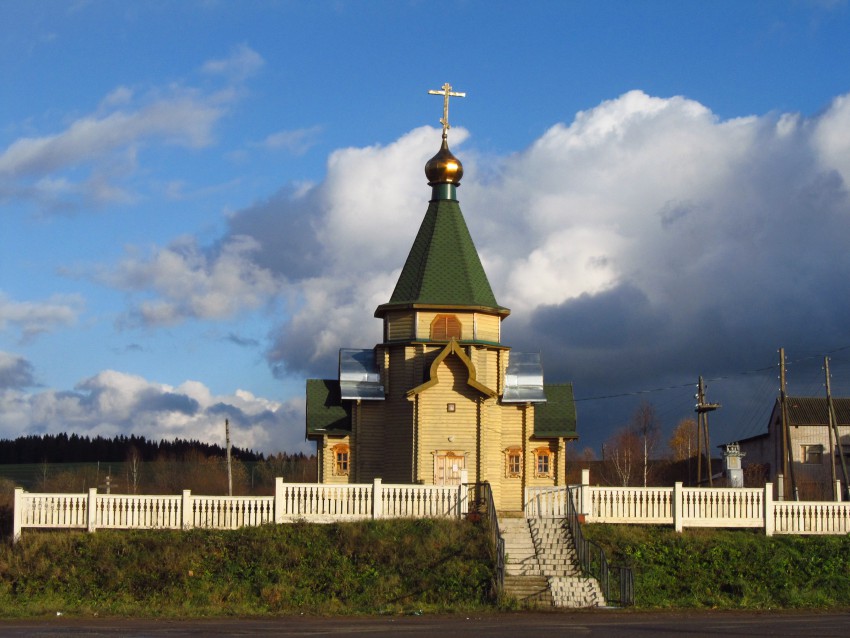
x: 443, y: 268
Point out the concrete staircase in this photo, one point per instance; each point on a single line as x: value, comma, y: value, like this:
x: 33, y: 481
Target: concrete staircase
x: 523, y: 579
x: 556, y: 556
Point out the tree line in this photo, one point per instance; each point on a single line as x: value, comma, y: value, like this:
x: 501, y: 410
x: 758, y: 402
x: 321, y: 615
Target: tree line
x: 73, y: 448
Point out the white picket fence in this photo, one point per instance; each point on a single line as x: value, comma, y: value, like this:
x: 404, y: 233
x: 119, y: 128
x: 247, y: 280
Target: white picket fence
x: 690, y: 507
x: 315, y: 503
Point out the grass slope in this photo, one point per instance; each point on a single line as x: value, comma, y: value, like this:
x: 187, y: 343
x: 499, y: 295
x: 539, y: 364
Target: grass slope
x: 729, y: 569
x: 369, y: 567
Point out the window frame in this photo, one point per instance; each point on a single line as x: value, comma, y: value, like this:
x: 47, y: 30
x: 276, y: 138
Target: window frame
x: 341, y: 467
x: 513, y: 456
x: 543, y: 456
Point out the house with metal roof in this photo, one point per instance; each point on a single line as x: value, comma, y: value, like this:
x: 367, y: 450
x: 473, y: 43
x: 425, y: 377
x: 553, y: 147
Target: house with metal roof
x: 814, y: 461
x: 441, y: 394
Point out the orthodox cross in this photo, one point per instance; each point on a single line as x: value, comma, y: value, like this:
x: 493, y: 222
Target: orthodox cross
x: 446, y: 93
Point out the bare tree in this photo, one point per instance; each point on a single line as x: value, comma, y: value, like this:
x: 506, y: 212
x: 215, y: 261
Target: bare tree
x: 645, y: 425
x: 622, y: 455
x: 133, y: 465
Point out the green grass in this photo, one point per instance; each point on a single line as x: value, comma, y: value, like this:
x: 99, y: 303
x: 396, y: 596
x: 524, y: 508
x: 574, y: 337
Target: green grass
x: 393, y: 567
x: 370, y: 567
x: 729, y: 569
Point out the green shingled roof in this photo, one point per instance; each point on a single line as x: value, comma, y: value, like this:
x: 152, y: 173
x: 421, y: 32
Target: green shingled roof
x: 443, y: 267
x: 556, y: 417
x: 326, y: 413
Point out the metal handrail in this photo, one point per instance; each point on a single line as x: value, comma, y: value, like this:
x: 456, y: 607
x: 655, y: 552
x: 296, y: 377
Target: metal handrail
x: 495, y: 535
x: 594, y: 562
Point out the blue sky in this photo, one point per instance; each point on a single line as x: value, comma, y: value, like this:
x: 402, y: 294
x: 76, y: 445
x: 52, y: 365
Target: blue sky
x: 200, y: 202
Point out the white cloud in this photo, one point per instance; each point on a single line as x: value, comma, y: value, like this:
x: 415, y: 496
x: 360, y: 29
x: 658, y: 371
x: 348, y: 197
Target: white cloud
x: 113, y: 403
x: 647, y: 231
x: 15, y: 372
x: 32, y: 318
x: 180, y: 119
x: 296, y: 142
x: 188, y: 282
x: 242, y: 63
x: 90, y: 162
x: 725, y: 233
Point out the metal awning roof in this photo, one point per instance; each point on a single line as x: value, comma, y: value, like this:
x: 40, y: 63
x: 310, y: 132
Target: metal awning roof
x: 524, y: 379
x: 359, y: 377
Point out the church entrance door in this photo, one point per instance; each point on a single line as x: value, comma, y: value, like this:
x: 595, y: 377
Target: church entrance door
x: 447, y: 468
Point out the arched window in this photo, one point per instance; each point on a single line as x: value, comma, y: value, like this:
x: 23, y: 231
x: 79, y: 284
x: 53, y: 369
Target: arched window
x: 342, y: 459
x: 445, y: 327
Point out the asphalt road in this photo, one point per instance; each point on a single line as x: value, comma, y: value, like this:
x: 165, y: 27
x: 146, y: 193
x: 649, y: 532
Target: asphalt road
x: 610, y: 624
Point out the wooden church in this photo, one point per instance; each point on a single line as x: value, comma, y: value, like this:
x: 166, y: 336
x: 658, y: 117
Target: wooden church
x: 442, y: 393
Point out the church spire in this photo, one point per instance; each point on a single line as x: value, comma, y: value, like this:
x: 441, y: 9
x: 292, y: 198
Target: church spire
x: 444, y: 170
x: 443, y: 269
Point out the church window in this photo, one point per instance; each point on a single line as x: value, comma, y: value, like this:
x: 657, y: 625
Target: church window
x: 445, y: 327
x: 342, y: 459
x: 543, y: 462
x: 513, y: 461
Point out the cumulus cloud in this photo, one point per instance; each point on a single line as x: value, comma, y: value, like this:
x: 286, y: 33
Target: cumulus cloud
x: 32, y: 318
x: 113, y: 403
x: 646, y: 240
x: 15, y: 372
x: 188, y: 282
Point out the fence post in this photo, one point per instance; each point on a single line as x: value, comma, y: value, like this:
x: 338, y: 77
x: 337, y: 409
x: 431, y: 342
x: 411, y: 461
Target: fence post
x: 377, y: 500
x: 584, y: 498
x: 837, y: 490
x: 278, y: 500
x: 17, y: 515
x: 186, y: 509
x: 678, y: 507
x: 769, y: 522
x: 462, y: 493
x: 92, y: 523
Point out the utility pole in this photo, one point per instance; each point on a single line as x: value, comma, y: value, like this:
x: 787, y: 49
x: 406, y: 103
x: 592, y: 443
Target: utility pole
x: 229, y: 470
x: 702, y: 409
x: 787, y: 452
x: 834, y: 427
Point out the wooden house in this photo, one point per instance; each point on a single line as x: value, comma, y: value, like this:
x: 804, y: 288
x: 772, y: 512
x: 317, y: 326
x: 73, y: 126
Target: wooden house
x: 814, y: 453
x: 442, y: 393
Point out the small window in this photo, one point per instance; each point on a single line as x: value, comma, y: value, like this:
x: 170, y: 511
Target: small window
x: 445, y: 327
x: 542, y: 457
x: 813, y: 454
x: 341, y: 459
x: 513, y: 462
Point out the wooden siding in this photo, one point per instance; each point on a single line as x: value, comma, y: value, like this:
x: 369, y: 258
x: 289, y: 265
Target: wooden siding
x: 488, y: 327
x: 511, y: 489
x: 326, y: 460
x: 442, y: 431
x: 399, y: 326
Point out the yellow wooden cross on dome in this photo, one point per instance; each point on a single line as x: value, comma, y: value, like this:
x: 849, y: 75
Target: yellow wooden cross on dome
x: 446, y: 93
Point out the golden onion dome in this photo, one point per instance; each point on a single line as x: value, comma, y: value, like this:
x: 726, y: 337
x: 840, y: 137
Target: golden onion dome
x: 444, y: 168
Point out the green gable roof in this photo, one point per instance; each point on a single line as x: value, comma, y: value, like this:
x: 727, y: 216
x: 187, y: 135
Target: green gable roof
x: 443, y: 267
x: 556, y: 417
x: 326, y: 413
